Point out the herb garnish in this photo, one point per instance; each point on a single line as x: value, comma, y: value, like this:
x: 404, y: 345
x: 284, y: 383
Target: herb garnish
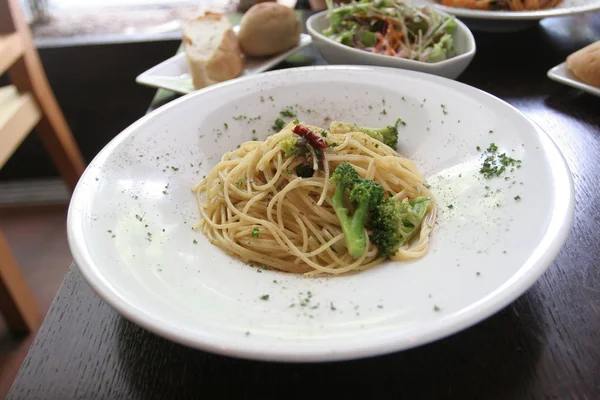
x: 287, y: 112
x: 255, y: 232
x: 264, y: 297
x: 278, y: 125
x: 495, y: 164
x: 304, y: 302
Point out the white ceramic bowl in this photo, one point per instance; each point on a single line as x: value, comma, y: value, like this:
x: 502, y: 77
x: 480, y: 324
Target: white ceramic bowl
x: 130, y: 217
x: 514, y: 21
x: 337, y: 53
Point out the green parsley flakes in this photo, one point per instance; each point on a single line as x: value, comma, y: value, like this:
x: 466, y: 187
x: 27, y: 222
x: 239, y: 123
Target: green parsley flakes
x: 278, y: 125
x: 255, y: 232
x: 287, y: 112
x: 495, y: 164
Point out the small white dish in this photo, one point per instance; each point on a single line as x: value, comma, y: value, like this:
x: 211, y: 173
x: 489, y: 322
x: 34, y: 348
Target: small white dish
x: 130, y: 217
x: 514, y: 21
x: 562, y: 74
x: 174, y: 73
x: 337, y: 53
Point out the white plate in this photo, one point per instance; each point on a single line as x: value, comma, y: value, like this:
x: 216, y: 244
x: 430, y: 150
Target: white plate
x: 174, y: 73
x: 337, y: 53
x: 562, y: 74
x: 485, y: 251
x: 512, y: 21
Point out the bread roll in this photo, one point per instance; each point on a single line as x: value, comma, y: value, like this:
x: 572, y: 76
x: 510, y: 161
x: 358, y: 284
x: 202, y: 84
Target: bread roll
x: 212, y: 50
x: 585, y: 64
x: 244, y: 5
x: 268, y: 29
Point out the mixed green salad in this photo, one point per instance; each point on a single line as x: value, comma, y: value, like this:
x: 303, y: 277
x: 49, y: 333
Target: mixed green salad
x: 393, y: 28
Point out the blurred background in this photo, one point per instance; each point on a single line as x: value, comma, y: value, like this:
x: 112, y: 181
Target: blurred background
x: 92, y: 50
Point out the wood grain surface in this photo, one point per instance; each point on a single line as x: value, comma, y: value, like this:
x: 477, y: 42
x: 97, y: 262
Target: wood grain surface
x: 546, y: 345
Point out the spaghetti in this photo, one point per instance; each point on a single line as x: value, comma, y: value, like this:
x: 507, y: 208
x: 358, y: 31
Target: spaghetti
x: 255, y: 206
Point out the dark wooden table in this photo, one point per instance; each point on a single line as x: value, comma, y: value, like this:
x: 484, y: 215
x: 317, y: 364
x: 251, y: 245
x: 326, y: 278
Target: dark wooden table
x: 544, y: 346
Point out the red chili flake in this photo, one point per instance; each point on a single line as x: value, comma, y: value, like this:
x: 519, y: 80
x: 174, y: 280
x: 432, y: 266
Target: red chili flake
x: 312, y: 138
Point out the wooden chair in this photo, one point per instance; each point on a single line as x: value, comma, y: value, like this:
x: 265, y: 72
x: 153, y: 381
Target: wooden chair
x: 26, y: 104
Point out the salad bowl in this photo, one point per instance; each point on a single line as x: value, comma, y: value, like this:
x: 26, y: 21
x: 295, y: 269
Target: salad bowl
x: 338, y: 54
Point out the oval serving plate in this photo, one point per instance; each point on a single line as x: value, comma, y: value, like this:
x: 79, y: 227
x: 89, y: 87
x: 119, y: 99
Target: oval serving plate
x: 514, y: 21
x: 130, y: 219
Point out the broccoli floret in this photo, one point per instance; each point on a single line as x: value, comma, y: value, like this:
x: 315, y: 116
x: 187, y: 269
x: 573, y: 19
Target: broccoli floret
x: 365, y: 194
x: 305, y: 170
x: 387, y: 134
x: 290, y: 146
x: 394, y: 223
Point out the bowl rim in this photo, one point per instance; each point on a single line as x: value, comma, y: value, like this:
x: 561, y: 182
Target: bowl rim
x: 477, y: 312
x: 472, y: 47
x: 515, y: 15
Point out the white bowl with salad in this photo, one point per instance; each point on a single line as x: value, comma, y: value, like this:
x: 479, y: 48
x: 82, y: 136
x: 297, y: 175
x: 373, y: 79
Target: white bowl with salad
x: 393, y: 33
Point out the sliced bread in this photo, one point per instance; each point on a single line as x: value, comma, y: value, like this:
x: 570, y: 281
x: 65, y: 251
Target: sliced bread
x: 212, y: 50
x: 585, y: 64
